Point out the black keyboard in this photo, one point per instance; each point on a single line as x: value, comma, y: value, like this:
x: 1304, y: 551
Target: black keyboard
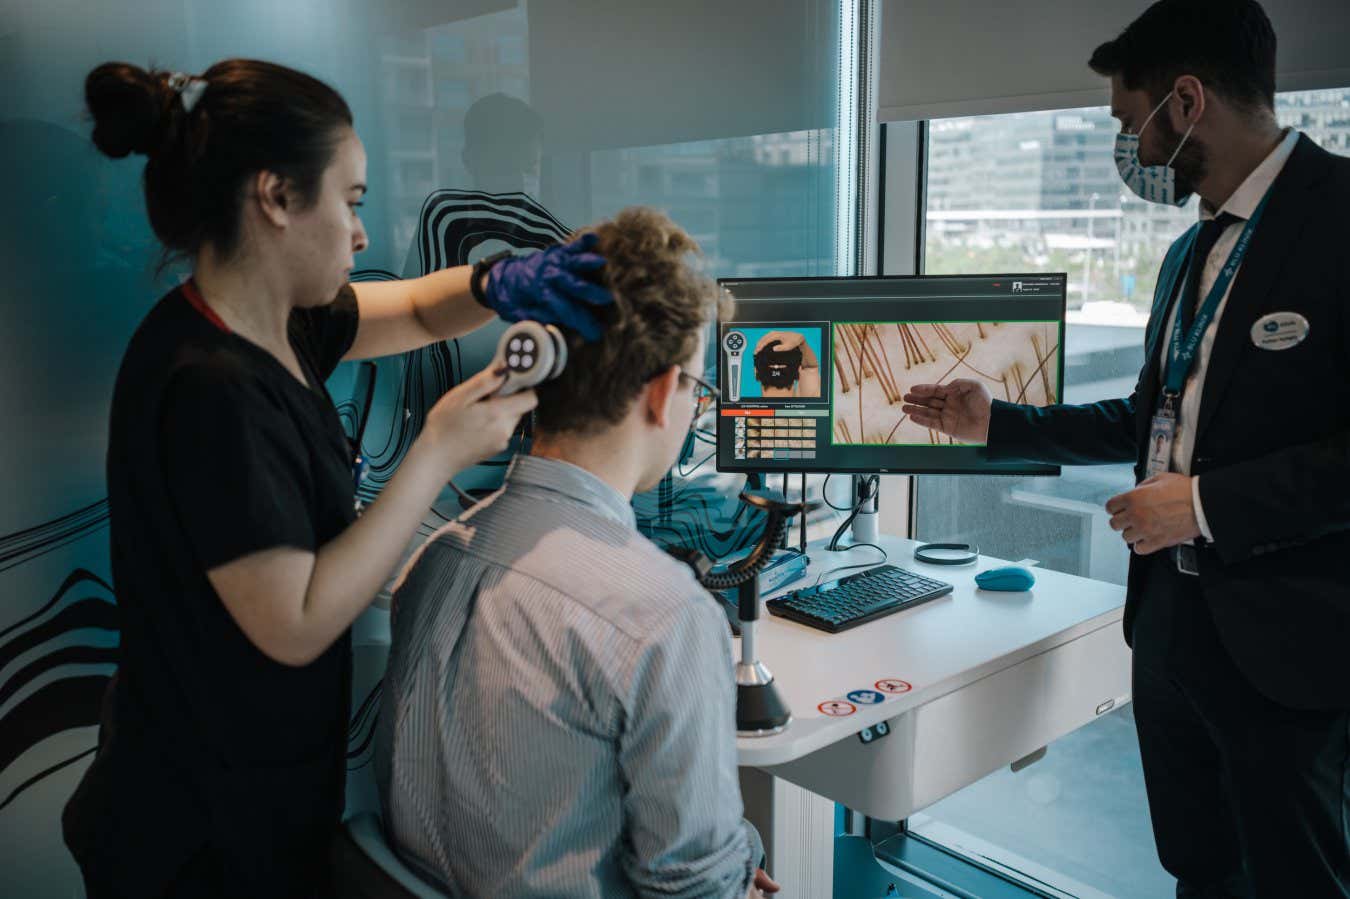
x: 838, y: 605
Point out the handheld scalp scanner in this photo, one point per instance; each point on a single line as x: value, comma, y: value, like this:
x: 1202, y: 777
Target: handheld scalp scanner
x: 733, y: 343
x: 531, y: 353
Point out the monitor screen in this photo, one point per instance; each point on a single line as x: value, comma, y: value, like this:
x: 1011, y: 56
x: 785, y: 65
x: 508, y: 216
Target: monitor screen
x: 813, y: 370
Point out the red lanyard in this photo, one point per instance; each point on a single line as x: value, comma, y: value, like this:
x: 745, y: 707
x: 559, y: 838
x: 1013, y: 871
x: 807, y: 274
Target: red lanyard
x: 194, y: 297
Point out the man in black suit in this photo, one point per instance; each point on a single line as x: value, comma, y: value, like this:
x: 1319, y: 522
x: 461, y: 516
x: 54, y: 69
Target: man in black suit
x: 1238, y: 607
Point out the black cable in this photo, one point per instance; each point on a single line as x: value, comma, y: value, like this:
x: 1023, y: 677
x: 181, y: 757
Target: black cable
x: 801, y: 542
x: 742, y: 570
x: 700, y: 464
x: 873, y: 483
x: 872, y: 487
x: 884, y: 556
x: 740, y: 510
x: 465, y: 500
x: 515, y: 445
x: 824, y: 495
x: 363, y: 414
x: 833, y: 545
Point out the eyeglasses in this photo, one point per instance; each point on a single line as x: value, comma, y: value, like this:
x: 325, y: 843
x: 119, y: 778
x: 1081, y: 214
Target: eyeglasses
x: 705, y: 395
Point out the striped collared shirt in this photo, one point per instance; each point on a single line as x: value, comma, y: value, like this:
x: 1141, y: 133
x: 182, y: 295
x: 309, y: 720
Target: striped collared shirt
x: 558, y: 713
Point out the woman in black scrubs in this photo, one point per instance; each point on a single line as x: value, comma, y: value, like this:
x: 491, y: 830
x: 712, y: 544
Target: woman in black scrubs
x: 238, y: 560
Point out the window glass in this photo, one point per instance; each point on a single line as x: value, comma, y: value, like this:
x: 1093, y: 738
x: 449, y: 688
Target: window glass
x: 1040, y: 192
x: 760, y: 206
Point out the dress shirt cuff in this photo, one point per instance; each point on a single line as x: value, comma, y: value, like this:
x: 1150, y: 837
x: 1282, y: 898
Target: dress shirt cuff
x: 1200, y: 510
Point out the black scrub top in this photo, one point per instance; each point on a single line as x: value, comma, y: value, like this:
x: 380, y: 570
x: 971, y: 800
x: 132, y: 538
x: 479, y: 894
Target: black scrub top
x: 209, y: 749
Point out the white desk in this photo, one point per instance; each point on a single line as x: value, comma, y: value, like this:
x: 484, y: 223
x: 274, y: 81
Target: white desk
x: 992, y: 677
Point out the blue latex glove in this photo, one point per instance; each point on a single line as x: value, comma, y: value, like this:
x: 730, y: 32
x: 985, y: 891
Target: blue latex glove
x: 551, y: 287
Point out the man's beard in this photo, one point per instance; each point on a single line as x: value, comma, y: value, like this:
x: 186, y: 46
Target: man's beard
x: 1191, y: 164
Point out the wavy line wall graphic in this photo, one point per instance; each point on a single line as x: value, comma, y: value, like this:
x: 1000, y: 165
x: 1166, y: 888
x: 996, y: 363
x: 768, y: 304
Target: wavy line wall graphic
x: 55, y: 662
x: 54, y: 666
x: 455, y: 227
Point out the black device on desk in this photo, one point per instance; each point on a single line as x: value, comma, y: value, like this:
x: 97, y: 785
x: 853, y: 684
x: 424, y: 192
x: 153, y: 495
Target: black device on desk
x: 784, y: 566
x: 841, y: 604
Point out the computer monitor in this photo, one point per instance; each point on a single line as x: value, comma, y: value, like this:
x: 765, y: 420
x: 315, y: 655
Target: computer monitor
x: 871, y: 340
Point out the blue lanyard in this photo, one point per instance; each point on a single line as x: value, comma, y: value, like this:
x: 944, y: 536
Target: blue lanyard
x: 1183, y: 348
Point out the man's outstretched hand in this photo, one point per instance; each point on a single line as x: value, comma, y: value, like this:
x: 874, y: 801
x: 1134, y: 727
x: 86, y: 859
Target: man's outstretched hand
x: 958, y: 409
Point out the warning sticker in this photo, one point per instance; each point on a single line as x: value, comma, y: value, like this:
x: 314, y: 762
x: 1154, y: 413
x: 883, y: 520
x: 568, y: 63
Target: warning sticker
x: 893, y: 685
x: 837, y: 708
x: 866, y: 697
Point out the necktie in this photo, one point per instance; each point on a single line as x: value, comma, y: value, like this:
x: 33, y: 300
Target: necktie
x: 1204, y: 243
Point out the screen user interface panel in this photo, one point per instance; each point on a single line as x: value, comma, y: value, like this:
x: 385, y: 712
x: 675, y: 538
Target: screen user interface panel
x: 813, y: 370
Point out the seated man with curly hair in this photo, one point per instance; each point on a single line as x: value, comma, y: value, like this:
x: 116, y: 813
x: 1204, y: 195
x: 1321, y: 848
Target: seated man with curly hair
x: 559, y: 706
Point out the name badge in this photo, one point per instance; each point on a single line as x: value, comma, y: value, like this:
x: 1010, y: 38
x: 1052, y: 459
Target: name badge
x: 1279, y: 330
x: 1161, y: 433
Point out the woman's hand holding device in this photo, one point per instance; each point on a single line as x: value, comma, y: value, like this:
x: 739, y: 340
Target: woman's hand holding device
x: 470, y: 424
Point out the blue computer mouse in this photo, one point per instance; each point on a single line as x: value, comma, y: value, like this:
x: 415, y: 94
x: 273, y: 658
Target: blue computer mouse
x: 1007, y: 578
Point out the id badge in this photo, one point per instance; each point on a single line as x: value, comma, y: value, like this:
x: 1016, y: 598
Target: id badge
x: 1160, y: 435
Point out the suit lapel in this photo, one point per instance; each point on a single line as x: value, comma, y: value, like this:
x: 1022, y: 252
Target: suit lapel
x: 1286, y: 213
x: 1172, y: 271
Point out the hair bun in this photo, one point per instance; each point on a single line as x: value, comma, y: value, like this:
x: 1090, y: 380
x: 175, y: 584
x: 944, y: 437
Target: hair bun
x: 129, y: 106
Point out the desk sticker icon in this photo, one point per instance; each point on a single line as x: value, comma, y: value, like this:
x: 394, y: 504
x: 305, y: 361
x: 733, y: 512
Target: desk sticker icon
x: 866, y: 697
x: 893, y: 685
x: 837, y: 708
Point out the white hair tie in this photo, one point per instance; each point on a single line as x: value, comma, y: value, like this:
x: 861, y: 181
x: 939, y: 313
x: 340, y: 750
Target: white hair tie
x: 188, y: 88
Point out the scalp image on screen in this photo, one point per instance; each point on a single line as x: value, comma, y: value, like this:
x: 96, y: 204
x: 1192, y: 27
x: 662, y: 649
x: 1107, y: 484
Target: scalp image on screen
x: 876, y: 362
x: 786, y: 366
x: 774, y: 362
x: 813, y: 371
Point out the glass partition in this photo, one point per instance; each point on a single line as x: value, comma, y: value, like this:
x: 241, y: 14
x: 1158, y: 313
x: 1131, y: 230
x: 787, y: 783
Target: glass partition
x: 488, y: 124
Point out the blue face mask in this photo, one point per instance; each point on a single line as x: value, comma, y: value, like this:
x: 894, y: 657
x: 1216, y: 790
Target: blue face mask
x: 1155, y: 183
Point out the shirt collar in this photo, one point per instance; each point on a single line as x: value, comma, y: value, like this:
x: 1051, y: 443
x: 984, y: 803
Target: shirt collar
x: 572, y: 482
x: 1248, y: 196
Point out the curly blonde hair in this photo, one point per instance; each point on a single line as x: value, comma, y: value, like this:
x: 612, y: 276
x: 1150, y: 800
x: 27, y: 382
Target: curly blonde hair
x: 662, y: 301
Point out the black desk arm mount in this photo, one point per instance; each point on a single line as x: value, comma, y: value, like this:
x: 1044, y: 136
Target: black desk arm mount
x: 760, y: 711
